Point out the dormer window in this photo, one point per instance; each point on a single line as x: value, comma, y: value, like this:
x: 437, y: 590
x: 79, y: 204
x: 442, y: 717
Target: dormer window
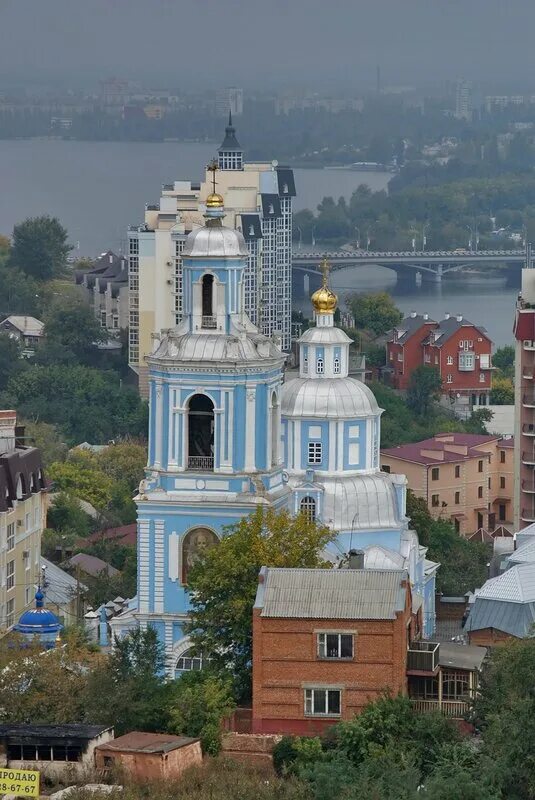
x: 271, y: 209
x: 320, y: 366
x: 285, y: 188
x: 251, y: 230
x: 336, y: 366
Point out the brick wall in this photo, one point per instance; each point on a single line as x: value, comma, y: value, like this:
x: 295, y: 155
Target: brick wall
x: 147, y: 766
x: 489, y: 637
x: 285, y: 660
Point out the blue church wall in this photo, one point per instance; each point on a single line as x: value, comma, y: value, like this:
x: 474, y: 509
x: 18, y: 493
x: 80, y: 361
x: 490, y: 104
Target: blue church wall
x: 308, y: 434
x: 360, y: 539
x: 238, y: 441
x: 261, y: 428
x: 152, y: 422
x: 355, y: 434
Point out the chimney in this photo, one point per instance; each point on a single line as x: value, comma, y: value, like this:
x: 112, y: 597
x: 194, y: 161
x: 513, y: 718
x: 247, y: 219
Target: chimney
x: 356, y: 559
x: 446, y: 316
x: 426, y: 317
x: 413, y: 314
x: 459, y: 317
x: 8, y: 423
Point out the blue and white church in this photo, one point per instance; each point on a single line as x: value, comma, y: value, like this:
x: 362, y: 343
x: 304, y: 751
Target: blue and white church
x: 227, y: 435
x: 331, y: 434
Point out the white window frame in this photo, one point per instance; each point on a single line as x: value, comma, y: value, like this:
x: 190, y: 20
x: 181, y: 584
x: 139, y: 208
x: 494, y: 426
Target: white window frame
x: 312, y: 701
x: 482, y: 377
x: 10, y: 575
x: 467, y: 362
x: 10, y: 536
x: 324, y: 646
x: 449, y: 361
x: 308, y: 507
x: 449, y: 378
x: 320, y: 365
x: 10, y: 612
x: 315, y: 452
x: 336, y: 366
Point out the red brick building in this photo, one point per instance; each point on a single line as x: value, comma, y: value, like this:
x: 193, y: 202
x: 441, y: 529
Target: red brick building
x: 150, y: 756
x: 325, y: 643
x: 460, y: 350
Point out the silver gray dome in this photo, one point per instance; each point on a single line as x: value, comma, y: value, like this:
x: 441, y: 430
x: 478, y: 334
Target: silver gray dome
x: 215, y: 347
x: 329, y: 398
x: 216, y: 241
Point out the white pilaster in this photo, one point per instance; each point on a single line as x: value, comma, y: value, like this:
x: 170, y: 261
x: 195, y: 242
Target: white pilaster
x: 174, y: 557
x: 159, y: 533
x: 250, y: 429
x: 158, y: 425
x: 144, y: 565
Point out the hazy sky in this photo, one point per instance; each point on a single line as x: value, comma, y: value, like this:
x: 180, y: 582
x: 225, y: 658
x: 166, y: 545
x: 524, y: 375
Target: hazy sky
x: 266, y: 43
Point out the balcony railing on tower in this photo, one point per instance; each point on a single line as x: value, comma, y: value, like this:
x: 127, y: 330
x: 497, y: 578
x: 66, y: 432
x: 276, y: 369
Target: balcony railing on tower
x: 201, y: 463
x: 209, y: 322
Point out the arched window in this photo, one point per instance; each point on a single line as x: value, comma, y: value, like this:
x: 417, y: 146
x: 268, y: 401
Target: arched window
x: 195, y: 543
x: 307, y: 507
x: 336, y: 365
x: 21, y: 487
x: 34, y: 485
x: 319, y: 365
x: 201, y: 433
x: 275, y: 430
x: 208, y: 319
x: 188, y: 661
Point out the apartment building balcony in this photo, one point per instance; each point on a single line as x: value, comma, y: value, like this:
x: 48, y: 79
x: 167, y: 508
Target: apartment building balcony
x: 528, y: 487
x: 453, y: 709
x: 422, y: 658
x: 527, y: 374
x: 528, y: 401
x: 528, y: 345
x: 528, y: 515
x: 528, y: 459
x: 528, y: 430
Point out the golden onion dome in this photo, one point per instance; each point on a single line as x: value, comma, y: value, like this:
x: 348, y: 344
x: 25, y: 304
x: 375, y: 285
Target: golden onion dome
x: 214, y: 200
x: 324, y: 300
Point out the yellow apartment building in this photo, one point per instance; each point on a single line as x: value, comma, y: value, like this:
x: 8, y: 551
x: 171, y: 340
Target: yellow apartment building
x: 22, y: 518
x: 464, y: 478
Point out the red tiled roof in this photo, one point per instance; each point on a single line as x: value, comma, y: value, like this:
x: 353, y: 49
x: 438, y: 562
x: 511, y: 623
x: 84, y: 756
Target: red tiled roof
x: 413, y: 452
x: 124, y: 534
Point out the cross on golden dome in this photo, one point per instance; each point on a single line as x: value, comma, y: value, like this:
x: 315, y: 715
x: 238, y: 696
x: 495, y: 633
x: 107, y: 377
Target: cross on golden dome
x: 324, y: 301
x: 214, y: 200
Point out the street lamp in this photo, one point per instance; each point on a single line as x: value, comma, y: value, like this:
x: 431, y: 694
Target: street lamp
x: 299, y: 244
x: 425, y: 226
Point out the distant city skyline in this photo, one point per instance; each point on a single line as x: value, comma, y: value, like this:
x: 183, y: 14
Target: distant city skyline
x: 213, y: 43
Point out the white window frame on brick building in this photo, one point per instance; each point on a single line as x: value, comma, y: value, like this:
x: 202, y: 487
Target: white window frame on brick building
x: 323, y: 702
x: 335, y: 646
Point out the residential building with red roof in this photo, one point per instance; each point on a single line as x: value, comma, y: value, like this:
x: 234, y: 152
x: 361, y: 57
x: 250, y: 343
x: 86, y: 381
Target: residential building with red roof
x: 465, y: 478
x: 461, y: 351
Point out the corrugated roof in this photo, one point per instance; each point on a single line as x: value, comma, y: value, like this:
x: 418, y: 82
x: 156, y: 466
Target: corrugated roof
x: 332, y: 593
x: 461, y: 656
x: 513, y: 618
x: 60, y: 587
x: 142, y: 742
x: 516, y: 585
x: 439, y: 443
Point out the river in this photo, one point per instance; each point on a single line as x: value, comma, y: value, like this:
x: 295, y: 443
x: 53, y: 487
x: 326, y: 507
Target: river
x: 98, y: 189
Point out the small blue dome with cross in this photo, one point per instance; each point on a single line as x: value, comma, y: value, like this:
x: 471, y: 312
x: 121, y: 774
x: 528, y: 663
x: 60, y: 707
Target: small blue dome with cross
x: 39, y: 621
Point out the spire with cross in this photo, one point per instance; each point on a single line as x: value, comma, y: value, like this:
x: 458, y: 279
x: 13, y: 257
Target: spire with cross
x: 213, y: 167
x: 325, y: 268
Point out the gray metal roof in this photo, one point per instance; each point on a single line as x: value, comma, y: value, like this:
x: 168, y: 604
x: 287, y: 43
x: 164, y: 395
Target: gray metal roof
x: 331, y: 593
x: 461, y: 656
x: 513, y: 618
x: 516, y: 585
x: 60, y: 587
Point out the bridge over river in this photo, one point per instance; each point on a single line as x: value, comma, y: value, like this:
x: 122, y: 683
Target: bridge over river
x: 422, y: 265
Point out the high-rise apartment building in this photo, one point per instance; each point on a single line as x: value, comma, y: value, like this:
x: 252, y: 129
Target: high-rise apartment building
x: 229, y: 99
x: 258, y: 202
x: 524, y: 330
x: 463, y: 100
x: 22, y: 518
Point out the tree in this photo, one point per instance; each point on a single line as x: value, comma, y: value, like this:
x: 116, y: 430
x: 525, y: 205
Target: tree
x: 502, y: 392
x: 85, y: 404
x: 420, y: 517
x: 49, y: 687
x: 47, y: 438
x: 129, y: 690
x: 125, y: 462
x: 424, y: 388
x: 65, y: 515
x: 223, y: 584
x: 463, y: 564
x: 374, y: 312
x: 40, y: 247
x: 199, y: 702
x: 506, y: 712
x: 72, y: 331
x: 504, y: 360
x: 10, y: 359
x: 20, y: 293
x: 81, y: 477
x: 5, y: 250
